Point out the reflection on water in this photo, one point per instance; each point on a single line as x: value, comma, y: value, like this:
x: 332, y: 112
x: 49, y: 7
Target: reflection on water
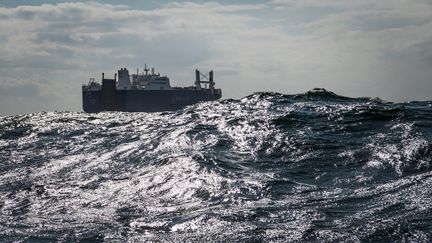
x: 268, y: 167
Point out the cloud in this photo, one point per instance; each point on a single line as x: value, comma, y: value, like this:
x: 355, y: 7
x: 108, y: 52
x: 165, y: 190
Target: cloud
x: 373, y: 47
x: 355, y: 48
x: 66, y: 43
x: 93, y: 27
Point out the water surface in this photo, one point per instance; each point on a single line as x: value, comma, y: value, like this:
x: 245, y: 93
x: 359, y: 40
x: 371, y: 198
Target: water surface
x: 268, y: 167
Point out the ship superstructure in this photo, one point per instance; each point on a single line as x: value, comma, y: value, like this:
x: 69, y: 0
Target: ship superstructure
x: 145, y: 91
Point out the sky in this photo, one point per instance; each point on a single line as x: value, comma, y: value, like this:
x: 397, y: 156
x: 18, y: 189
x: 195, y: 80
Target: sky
x: 357, y: 48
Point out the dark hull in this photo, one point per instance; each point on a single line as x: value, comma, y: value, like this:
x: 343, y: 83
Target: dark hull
x: 143, y: 100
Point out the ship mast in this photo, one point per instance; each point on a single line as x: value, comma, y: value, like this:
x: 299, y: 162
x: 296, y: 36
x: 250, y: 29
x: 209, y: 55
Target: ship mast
x: 204, y: 79
x: 146, y: 69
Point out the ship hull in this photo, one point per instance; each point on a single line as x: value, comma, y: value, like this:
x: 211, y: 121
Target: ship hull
x: 143, y: 100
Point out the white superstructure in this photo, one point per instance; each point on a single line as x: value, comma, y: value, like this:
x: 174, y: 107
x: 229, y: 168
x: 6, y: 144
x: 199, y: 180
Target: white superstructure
x: 142, y: 81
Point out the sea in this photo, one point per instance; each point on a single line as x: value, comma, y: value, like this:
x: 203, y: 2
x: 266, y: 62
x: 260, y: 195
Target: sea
x: 268, y: 167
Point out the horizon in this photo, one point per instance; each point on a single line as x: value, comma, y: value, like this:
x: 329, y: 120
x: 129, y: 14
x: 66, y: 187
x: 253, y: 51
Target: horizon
x: 352, y: 48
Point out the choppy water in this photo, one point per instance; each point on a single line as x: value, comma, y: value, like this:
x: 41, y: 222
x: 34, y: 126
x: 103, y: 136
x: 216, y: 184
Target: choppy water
x: 268, y: 167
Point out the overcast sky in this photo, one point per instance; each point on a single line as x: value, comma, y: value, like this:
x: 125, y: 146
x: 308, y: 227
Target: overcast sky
x: 354, y: 48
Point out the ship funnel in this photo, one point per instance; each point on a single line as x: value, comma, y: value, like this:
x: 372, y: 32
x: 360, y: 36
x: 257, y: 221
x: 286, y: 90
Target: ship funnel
x: 123, y: 79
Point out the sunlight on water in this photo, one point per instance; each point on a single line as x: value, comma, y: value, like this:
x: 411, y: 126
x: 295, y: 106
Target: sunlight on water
x: 268, y: 167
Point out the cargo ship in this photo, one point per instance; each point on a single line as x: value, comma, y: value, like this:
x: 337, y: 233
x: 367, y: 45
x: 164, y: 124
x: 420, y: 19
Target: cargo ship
x: 145, y: 92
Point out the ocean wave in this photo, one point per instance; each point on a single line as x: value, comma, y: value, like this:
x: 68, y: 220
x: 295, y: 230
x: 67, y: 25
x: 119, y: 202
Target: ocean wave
x: 268, y: 167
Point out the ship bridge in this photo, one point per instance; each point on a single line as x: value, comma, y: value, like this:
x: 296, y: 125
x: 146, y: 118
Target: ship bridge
x: 149, y: 80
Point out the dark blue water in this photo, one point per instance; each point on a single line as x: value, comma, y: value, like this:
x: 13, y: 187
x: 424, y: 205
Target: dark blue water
x: 268, y: 167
